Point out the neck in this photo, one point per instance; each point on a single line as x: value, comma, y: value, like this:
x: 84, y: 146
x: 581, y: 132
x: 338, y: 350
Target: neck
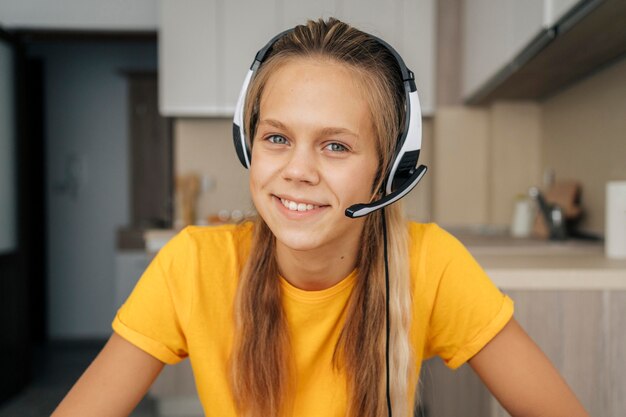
x: 317, y: 269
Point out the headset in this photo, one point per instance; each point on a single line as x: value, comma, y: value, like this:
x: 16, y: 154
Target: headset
x: 404, y: 174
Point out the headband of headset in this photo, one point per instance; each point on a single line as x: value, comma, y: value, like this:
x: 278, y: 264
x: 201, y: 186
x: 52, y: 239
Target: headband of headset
x: 403, y: 175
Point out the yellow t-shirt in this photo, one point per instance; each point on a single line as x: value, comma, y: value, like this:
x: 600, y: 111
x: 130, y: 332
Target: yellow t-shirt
x: 182, y: 306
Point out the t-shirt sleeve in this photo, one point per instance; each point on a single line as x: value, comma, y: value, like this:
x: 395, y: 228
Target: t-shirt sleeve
x: 468, y: 309
x: 154, y: 316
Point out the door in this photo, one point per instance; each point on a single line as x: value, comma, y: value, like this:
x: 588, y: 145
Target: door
x: 150, y: 154
x: 22, y: 214
x: 14, y: 324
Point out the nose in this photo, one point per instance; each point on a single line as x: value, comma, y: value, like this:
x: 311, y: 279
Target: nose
x: 301, y: 166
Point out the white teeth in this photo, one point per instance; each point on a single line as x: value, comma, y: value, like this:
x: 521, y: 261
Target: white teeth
x: 293, y: 206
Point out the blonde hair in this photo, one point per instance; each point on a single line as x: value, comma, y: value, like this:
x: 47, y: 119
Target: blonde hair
x: 261, y: 358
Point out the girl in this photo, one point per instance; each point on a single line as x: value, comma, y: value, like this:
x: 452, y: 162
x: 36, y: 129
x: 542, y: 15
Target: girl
x: 291, y: 315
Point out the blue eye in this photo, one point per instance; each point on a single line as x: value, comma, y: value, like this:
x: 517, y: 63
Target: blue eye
x: 277, y: 139
x: 336, y: 147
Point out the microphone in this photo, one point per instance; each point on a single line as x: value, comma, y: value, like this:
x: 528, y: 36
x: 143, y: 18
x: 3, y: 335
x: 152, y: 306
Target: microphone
x: 360, y: 210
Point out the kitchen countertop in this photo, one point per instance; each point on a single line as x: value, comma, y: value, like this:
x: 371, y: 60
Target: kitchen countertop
x: 537, y: 264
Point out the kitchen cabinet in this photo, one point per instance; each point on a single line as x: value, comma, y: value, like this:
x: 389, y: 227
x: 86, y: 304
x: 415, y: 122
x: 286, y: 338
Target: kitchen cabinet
x: 206, y: 47
x: 188, y: 45
x: 556, y: 9
x: 581, y: 331
x: 243, y: 28
x: 528, y: 50
x: 493, y: 33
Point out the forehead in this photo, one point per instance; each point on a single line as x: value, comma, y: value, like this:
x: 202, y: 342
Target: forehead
x: 322, y: 88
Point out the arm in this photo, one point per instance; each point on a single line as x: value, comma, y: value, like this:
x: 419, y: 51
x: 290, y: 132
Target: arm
x: 113, y: 384
x: 522, y: 378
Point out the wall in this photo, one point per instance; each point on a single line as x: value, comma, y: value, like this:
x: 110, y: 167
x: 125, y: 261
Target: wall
x: 584, y: 130
x: 484, y: 158
x: 79, y: 14
x: 87, y: 180
x: 205, y: 147
x: 515, y: 156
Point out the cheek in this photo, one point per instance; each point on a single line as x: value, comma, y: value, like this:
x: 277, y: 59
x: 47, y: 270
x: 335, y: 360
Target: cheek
x: 261, y: 172
x: 255, y: 180
x: 355, y: 186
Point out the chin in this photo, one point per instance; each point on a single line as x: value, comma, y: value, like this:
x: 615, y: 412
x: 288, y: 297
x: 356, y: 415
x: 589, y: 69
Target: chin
x: 300, y: 240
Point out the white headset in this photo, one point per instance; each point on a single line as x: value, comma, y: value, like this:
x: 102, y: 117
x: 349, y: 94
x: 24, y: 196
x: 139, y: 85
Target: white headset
x: 404, y: 174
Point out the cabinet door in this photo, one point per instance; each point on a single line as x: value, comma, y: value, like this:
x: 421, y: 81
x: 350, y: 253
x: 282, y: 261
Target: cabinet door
x: 556, y: 9
x: 409, y: 27
x: 582, y: 332
x: 616, y: 363
x: 188, y: 45
x: 294, y: 13
x: 418, y: 48
x: 494, y: 32
x: 244, y: 27
x: 206, y: 47
x: 569, y: 326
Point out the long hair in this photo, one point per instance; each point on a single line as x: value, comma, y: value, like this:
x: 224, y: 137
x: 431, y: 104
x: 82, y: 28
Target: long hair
x: 261, y: 357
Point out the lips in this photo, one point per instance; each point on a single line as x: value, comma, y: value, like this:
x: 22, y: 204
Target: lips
x: 293, y: 206
x: 300, y: 206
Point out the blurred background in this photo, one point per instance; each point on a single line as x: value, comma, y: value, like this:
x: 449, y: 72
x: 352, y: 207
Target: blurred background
x: 115, y: 132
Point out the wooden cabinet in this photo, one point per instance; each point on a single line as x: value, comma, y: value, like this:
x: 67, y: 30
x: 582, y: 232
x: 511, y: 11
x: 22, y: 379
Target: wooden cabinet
x: 582, y: 332
x: 206, y: 47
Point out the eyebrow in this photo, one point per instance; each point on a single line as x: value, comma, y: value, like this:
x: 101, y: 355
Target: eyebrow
x: 327, y: 131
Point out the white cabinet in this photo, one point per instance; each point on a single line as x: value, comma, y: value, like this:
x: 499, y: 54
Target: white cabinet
x: 408, y: 26
x: 188, y: 46
x: 244, y: 27
x: 206, y: 47
x: 80, y: 15
x: 556, y: 9
x: 496, y: 31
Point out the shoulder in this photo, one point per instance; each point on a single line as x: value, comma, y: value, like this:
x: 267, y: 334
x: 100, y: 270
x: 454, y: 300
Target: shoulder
x: 431, y: 238
x: 435, y: 253
x: 235, y: 234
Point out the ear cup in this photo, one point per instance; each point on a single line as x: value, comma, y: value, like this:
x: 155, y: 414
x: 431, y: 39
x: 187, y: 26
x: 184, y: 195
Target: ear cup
x: 239, y: 137
x: 241, y: 147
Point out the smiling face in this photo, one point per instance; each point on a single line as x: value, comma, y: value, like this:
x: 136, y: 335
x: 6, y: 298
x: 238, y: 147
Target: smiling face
x: 313, y: 156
